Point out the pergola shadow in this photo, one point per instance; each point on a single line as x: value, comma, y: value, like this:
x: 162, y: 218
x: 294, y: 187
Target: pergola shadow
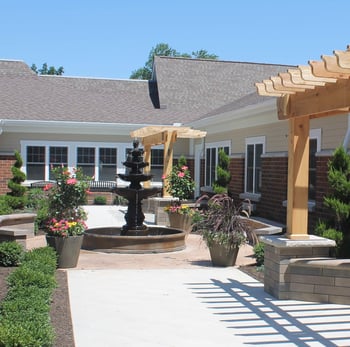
x: 259, y: 319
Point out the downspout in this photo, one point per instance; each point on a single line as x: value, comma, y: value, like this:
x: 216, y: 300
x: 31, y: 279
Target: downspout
x: 347, y: 135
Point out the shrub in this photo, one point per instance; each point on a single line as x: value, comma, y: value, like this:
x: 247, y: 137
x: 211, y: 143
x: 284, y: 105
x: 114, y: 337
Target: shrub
x: 35, y: 198
x: 338, y: 202
x: 222, y: 173
x: 41, y: 214
x: 259, y: 253
x: 100, y: 200
x: 11, y: 253
x: 25, y: 312
x: 27, y: 276
x: 323, y: 230
x: 5, y: 208
x: 120, y: 200
x: 17, y: 200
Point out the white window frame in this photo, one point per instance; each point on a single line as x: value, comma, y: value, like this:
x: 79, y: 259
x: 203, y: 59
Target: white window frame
x: 72, y: 153
x: 257, y: 140
x: 217, y: 146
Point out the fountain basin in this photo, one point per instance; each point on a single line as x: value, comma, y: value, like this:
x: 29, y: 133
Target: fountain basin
x: 157, y: 240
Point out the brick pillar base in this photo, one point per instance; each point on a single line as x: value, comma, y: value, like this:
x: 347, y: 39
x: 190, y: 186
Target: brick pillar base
x: 279, y: 251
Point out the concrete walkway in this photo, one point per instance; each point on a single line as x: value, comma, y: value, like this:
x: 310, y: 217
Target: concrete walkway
x: 179, y: 299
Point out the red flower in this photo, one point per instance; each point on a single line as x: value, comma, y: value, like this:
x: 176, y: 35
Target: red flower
x: 181, y: 174
x: 47, y: 187
x: 72, y: 181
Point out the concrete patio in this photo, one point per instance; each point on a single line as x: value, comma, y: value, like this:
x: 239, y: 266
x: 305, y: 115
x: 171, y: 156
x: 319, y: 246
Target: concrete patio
x: 179, y: 299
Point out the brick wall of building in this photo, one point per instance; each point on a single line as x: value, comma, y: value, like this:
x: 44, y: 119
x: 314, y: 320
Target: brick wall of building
x: 6, y: 162
x: 236, y: 185
x: 274, y: 188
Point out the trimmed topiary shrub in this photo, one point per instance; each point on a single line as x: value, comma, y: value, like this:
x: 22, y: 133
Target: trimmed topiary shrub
x: 11, y: 253
x: 16, y: 197
x: 223, y: 175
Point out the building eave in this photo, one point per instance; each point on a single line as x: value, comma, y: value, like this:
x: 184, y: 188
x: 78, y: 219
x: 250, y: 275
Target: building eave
x: 54, y: 127
x: 252, y: 115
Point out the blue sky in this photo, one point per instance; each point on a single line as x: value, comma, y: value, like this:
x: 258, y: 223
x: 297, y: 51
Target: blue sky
x: 111, y: 38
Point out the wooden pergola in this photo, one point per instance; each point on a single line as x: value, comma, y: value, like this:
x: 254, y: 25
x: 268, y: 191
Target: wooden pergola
x: 320, y: 89
x: 163, y: 135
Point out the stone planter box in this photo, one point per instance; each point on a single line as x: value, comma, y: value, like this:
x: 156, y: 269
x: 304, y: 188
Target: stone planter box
x: 18, y: 227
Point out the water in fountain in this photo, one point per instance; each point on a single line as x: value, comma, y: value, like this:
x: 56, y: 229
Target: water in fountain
x: 135, y: 236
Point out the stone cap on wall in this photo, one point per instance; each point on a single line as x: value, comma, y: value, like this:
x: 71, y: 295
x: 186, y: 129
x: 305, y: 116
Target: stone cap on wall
x: 284, y: 242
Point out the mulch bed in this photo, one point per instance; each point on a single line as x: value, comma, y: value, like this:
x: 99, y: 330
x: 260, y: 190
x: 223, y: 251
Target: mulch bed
x: 60, y: 308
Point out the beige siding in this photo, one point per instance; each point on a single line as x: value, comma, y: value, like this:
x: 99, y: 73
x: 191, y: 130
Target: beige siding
x: 333, y: 130
x: 333, y: 133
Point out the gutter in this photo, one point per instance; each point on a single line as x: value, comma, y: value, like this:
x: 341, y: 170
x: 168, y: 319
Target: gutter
x: 52, y: 127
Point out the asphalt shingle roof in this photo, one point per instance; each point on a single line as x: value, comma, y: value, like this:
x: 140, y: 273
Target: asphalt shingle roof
x: 188, y: 89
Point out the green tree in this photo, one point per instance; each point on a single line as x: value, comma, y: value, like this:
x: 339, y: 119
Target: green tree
x: 45, y: 70
x: 338, y: 202
x: 163, y: 49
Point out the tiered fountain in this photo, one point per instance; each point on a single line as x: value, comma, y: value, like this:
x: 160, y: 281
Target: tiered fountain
x: 135, y: 236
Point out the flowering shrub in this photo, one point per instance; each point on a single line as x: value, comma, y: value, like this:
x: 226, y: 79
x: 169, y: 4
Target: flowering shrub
x: 65, y: 214
x: 179, y: 183
x: 179, y: 208
x: 65, y: 228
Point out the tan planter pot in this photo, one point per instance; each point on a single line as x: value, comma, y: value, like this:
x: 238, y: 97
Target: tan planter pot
x: 180, y: 221
x: 67, y: 248
x: 222, y: 255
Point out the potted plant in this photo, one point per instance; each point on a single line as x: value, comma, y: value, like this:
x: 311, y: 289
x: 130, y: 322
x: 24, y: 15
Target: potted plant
x: 224, y: 228
x: 180, y: 186
x: 65, y: 222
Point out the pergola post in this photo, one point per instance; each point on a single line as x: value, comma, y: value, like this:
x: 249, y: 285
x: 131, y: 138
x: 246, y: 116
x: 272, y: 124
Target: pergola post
x: 147, y: 159
x: 168, y: 156
x: 298, y: 178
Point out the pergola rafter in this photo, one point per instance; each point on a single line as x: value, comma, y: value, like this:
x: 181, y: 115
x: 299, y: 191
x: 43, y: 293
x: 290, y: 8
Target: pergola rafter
x: 320, y: 89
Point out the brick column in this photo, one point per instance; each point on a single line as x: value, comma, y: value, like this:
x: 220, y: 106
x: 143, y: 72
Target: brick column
x: 279, y: 251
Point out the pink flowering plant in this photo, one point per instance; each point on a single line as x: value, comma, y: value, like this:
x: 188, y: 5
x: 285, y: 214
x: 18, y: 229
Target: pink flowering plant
x: 179, y: 183
x: 177, y: 207
x: 66, y: 217
x: 65, y: 228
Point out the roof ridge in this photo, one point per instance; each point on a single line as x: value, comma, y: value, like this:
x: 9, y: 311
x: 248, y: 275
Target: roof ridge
x: 221, y: 61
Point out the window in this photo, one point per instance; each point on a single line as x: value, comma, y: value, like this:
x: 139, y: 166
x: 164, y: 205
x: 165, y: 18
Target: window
x: 254, y: 150
x: 58, y: 156
x: 86, y: 160
x: 211, y: 160
x: 108, y: 164
x: 157, y: 163
x: 314, y: 147
x: 35, y: 162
